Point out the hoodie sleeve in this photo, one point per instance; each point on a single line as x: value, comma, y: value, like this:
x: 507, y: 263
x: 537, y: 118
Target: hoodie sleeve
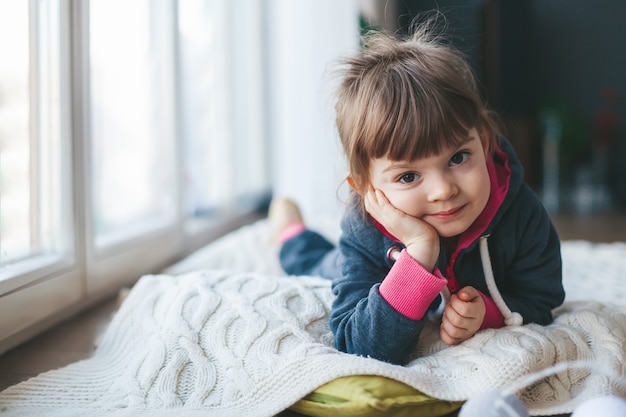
x: 362, y: 320
x: 409, y: 288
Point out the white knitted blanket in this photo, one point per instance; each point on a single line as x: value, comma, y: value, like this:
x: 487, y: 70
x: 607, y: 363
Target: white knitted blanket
x: 236, y: 338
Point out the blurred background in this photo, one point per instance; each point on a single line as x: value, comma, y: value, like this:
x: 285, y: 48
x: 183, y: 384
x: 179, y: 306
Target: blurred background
x: 133, y: 132
x: 554, y: 70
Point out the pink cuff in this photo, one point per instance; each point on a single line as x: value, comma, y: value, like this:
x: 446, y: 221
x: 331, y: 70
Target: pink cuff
x: 409, y: 288
x: 291, y: 231
x: 493, y: 317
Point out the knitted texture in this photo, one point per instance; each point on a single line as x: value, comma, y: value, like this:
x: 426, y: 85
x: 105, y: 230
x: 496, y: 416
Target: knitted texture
x: 219, y: 342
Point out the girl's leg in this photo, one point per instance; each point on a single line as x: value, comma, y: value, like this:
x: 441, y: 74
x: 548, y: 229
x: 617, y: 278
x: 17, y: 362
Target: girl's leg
x: 303, y: 251
x: 285, y: 220
x: 309, y: 253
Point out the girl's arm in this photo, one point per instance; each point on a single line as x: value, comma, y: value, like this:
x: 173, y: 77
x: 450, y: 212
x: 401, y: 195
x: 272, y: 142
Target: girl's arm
x: 420, y: 238
x: 362, y: 320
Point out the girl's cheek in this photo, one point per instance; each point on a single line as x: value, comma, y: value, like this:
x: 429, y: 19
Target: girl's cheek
x: 406, y: 202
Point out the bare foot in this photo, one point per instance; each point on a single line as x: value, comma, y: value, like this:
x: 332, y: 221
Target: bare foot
x: 283, y: 214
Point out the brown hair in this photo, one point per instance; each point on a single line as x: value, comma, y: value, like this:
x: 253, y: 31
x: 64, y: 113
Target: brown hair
x: 406, y: 99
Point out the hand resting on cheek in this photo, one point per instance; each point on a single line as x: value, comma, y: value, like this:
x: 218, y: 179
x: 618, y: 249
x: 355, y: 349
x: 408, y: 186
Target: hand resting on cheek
x: 420, y: 238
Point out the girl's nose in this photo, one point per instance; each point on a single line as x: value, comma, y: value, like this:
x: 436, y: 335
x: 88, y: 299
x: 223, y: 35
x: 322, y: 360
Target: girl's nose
x: 440, y: 187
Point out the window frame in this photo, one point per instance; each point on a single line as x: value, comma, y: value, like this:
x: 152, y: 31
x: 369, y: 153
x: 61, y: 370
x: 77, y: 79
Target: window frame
x: 114, y: 264
x: 36, y: 267
x: 58, y: 287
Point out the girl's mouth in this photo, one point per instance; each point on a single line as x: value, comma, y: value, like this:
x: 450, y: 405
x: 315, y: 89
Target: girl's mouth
x: 448, y: 214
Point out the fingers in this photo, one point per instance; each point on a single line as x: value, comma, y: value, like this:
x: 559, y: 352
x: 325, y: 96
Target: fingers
x: 464, y: 307
x: 455, y: 328
x: 468, y: 294
x: 379, y: 207
x: 370, y: 200
x: 376, y: 201
x: 381, y: 198
x: 451, y: 335
x: 462, y: 317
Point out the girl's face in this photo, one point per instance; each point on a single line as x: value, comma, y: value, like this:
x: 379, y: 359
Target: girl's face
x: 447, y: 191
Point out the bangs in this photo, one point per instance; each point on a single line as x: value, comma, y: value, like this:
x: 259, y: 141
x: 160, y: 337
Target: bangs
x: 407, y: 100
x: 416, y: 120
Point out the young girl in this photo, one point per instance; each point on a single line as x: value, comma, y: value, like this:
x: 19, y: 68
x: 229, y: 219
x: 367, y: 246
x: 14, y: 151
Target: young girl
x: 439, y: 215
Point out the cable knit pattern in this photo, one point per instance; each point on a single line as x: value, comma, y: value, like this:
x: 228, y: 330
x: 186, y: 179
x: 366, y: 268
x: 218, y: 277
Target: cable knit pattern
x: 219, y: 342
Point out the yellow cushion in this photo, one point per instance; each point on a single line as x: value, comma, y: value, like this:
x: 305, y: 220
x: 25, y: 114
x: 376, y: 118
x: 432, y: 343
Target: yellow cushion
x: 371, y: 396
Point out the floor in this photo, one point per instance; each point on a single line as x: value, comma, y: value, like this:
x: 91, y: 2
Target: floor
x: 74, y: 340
x: 610, y: 227
x: 69, y: 342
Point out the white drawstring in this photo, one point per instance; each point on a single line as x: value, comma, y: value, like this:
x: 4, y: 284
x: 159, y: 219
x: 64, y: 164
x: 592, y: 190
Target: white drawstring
x: 510, y: 318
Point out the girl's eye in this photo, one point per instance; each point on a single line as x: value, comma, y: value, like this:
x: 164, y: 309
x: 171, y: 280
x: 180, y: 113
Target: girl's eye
x: 408, y: 178
x: 459, y: 158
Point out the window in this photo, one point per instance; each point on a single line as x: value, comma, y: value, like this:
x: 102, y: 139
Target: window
x: 131, y: 114
x: 34, y: 199
x: 216, y: 95
x: 205, y: 104
x: 119, y: 130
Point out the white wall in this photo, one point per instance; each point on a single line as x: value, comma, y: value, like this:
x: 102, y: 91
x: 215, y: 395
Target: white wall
x: 307, y: 37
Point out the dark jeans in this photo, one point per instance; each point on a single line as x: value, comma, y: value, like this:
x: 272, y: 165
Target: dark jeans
x: 309, y: 253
